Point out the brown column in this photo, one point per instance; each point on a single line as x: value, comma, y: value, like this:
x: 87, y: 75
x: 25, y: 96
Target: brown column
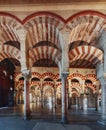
x: 64, y: 98
x: 27, y: 111
x: 96, y: 101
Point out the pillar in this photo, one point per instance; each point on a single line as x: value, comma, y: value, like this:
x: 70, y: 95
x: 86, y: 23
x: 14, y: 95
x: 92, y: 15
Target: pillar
x: 103, y: 110
x: 41, y: 98
x: 27, y: 111
x: 55, y: 99
x: 96, y: 101
x: 64, y: 98
x: 85, y: 102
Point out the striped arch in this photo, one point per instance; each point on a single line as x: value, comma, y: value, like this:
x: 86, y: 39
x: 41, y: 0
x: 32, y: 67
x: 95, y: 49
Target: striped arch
x: 93, y: 87
x: 35, y: 83
x: 19, y: 83
x: 7, y: 51
x: 76, y: 85
x: 48, y: 86
x: 44, y: 52
x: 48, y: 75
x: 88, y: 16
x: 57, y: 76
x: 9, y: 24
x: 58, y: 89
x: 89, y: 53
x: 47, y: 83
x: 37, y: 75
x: 44, y: 26
x: 76, y: 93
x: 91, y: 77
x: 17, y: 75
x: 84, y: 32
x: 76, y: 75
x: 58, y: 84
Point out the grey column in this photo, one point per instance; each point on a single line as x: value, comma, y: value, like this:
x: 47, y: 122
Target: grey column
x: 64, y: 98
x: 103, y: 110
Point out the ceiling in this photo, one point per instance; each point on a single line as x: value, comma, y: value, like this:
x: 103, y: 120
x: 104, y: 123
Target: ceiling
x: 4, y: 2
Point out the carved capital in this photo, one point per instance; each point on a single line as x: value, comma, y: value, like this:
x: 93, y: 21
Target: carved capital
x: 26, y: 73
x: 64, y: 75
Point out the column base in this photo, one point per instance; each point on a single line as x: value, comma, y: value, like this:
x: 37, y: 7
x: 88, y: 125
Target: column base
x: 27, y: 118
x: 64, y: 121
x: 102, y: 122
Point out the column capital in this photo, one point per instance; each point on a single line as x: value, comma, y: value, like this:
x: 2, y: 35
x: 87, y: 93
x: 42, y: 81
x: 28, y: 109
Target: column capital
x: 26, y: 73
x: 64, y: 75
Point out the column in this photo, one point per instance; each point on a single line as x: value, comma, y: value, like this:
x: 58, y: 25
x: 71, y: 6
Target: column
x: 103, y: 110
x: 64, y: 98
x: 81, y: 101
x: 27, y: 111
x: 85, y: 102
x: 96, y: 101
x: 41, y: 98
x: 55, y: 99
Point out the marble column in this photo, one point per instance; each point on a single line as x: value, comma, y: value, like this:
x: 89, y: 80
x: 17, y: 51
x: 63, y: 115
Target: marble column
x: 103, y: 110
x: 85, y: 102
x: 64, y: 98
x: 27, y: 111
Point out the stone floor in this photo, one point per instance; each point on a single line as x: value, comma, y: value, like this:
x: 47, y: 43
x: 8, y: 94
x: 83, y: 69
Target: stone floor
x: 49, y: 119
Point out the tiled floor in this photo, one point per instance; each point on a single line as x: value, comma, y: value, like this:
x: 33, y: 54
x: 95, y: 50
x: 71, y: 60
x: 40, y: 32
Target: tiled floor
x: 12, y: 119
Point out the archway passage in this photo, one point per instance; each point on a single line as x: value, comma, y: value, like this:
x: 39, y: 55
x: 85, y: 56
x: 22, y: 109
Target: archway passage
x: 47, y: 47
x: 7, y: 69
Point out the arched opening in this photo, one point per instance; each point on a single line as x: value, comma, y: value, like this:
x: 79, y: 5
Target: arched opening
x: 7, y: 69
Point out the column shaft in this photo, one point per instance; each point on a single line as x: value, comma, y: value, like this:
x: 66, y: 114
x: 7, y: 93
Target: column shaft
x: 64, y: 99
